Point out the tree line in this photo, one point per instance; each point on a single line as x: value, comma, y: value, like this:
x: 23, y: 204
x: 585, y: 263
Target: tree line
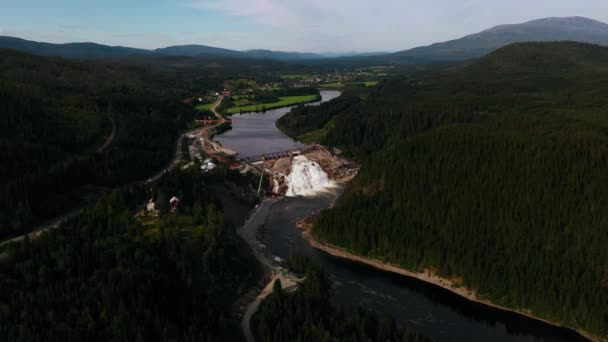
x: 58, y: 113
x: 308, y: 315
x: 490, y: 174
x: 106, y: 276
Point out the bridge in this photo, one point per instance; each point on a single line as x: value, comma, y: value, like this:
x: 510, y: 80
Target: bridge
x: 282, y: 154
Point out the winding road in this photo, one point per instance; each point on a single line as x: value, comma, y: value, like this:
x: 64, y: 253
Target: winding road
x: 214, y: 108
x: 110, y: 138
x: 289, y: 282
x: 55, y: 222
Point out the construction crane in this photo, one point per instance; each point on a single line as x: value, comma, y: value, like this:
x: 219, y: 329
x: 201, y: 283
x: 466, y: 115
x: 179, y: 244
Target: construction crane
x: 261, y: 177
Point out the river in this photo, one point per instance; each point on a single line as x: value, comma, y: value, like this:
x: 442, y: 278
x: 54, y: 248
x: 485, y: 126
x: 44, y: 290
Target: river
x: 255, y: 133
x: 427, y: 308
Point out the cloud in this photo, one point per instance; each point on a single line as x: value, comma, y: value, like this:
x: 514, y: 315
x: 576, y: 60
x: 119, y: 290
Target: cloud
x: 329, y: 25
x: 72, y: 27
x: 386, y: 24
x: 266, y: 11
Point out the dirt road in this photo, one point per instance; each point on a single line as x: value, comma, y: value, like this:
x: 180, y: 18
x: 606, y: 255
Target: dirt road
x: 289, y: 281
x: 55, y: 222
x: 110, y: 138
x: 214, y: 108
x: 205, y: 130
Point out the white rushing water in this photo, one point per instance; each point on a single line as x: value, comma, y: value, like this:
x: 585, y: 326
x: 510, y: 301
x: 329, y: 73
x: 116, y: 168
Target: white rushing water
x: 306, y: 178
x: 275, y: 187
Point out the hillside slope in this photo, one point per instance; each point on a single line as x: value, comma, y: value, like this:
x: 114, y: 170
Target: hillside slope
x: 548, y: 29
x: 57, y: 114
x: 107, y: 275
x: 69, y: 50
x: 492, y: 175
x: 195, y: 50
x: 100, y: 51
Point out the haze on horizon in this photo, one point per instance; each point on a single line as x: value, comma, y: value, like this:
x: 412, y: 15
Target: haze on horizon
x: 307, y: 26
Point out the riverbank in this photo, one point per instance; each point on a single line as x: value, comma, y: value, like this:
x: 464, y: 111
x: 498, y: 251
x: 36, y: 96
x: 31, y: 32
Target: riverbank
x: 429, y: 309
x: 272, y: 271
x: 427, y: 277
x: 285, y: 101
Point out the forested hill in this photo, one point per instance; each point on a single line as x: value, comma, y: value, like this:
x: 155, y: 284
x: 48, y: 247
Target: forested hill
x: 69, y: 50
x: 492, y: 174
x: 56, y: 114
x: 555, y: 79
x: 99, y: 51
x: 106, y: 275
x: 308, y: 314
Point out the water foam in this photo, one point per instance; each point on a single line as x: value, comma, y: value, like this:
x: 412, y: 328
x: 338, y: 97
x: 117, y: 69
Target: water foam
x: 307, y: 178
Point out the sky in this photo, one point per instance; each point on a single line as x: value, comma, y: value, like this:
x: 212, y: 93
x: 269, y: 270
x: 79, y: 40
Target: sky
x: 287, y: 25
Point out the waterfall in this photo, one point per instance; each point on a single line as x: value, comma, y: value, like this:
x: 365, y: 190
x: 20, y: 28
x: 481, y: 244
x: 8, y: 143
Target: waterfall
x: 275, y: 186
x: 306, y: 178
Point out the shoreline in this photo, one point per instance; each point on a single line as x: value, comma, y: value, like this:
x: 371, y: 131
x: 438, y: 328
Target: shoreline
x: 427, y: 277
x: 251, y: 299
x: 263, y: 108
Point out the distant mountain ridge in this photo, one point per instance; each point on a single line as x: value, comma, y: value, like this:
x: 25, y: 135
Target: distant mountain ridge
x: 69, y: 50
x: 547, y: 29
x: 94, y: 50
x: 194, y: 50
x: 200, y: 50
x: 577, y: 29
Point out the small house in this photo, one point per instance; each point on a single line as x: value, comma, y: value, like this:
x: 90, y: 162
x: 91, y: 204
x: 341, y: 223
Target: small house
x: 173, y: 204
x: 151, y: 207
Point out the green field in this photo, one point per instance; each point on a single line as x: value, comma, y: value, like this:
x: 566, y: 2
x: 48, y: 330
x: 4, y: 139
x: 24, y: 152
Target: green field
x: 379, y: 68
x: 337, y: 85
x: 317, y: 135
x: 205, y: 106
x: 366, y: 83
x: 284, y: 102
x: 293, y: 77
x: 331, y: 85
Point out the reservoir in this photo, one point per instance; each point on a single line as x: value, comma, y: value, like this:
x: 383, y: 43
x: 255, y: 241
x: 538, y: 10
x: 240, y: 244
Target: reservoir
x: 424, y: 307
x: 256, y: 133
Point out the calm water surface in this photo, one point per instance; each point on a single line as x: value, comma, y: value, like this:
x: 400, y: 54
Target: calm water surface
x: 427, y: 308
x: 256, y: 133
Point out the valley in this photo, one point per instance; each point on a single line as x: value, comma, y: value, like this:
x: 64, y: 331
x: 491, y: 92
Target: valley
x: 280, y: 236
x: 156, y: 189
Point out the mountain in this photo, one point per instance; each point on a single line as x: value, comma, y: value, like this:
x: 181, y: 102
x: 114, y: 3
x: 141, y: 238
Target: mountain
x: 472, y: 46
x: 281, y: 55
x: 476, y: 45
x: 196, y: 50
x: 202, y: 50
x: 93, y: 50
x: 69, y: 50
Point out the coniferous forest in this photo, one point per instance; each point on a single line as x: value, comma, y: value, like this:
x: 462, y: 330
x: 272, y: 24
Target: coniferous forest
x: 491, y: 173
x: 303, y: 119
x: 112, y: 271
x: 106, y: 275
x: 57, y: 114
x: 307, y: 315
